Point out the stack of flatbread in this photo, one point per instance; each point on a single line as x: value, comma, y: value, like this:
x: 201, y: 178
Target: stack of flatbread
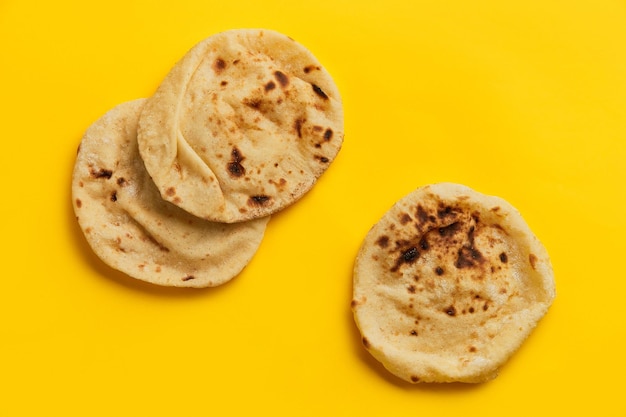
x: 177, y: 189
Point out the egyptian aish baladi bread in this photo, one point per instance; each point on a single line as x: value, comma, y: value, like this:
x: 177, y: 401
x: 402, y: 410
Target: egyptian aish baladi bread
x: 448, y: 284
x: 132, y: 229
x: 242, y: 126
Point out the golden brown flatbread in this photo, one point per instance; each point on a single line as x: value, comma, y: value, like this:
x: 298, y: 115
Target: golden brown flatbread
x: 242, y: 126
x: 448, y: 284
x: 132, y: 229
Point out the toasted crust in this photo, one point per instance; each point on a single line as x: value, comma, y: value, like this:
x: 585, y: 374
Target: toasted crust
x: 242, y: 126
x: 132, y: 229
x: 448, y: 284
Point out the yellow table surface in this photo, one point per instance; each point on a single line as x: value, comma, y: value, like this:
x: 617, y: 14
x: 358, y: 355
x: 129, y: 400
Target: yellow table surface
x: 521, y: 99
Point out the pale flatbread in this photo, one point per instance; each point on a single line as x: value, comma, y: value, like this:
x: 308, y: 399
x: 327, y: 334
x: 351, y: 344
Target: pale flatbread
x: 242, y: 126
x: 133, y: 230
x: 448, y: 284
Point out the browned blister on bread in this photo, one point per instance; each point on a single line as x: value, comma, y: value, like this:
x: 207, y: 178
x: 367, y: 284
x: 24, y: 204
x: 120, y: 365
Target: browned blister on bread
x: 242, y: 126
x: 448, y: 284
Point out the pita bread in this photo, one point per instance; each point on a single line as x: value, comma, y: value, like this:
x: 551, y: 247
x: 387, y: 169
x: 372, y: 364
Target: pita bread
x: 448, y: 284
x: 132, y: 229
x: 242, y: 126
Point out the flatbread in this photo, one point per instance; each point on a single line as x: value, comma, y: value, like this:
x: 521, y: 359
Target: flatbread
x: 242, y: 126
x: 448, y: 284
x: 132, y: 229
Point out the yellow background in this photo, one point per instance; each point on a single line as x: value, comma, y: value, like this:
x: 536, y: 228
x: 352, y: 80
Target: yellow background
x: 521, y: 99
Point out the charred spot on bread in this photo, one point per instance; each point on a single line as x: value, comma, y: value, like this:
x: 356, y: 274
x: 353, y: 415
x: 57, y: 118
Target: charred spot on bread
x: 328, y: 134
x: 317, y: 90
x: 383, y: 241
x: 219, y: 65
x: 282, y: 79
x: 102, y: 173
x: 259, y: 200
x: 310, y: 68
x: 235, y: 168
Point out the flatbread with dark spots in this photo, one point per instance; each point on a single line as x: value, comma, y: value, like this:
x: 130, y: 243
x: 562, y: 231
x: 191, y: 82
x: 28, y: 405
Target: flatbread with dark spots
x: 448, y: 284
x: 242, y: 126
x: 132, y: 229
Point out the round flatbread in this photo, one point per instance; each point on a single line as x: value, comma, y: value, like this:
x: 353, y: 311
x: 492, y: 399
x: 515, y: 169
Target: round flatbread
x: 448, y: 284
x: 132, y: 229
x: 242, y: 126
